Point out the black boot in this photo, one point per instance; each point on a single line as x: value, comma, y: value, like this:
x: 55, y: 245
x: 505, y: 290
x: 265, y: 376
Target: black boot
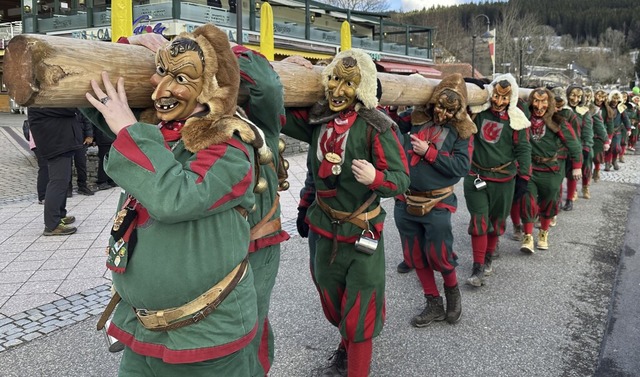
x: 433, y: 311
x: 454, y: 303
x: 338, y: 366
x: 488, y: 270
x: 403, y: 268
x: 568, y: 205
x: 477, y: 275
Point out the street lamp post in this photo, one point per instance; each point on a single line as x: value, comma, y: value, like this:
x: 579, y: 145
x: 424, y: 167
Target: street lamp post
x: 529, y: 52
x: 473, y: 56
x: 484, y: 37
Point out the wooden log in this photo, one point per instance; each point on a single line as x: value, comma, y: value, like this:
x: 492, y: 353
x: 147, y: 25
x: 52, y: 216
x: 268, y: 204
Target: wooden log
x: 49, y: 71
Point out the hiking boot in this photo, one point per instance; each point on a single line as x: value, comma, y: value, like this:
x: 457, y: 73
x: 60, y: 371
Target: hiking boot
x: 554, y: 221
x: 60, y: 230
x: 433, y: 311
x: 585, y: 192
x: 596, y: 175
x: 84, y: 190
x: 615, y: 165
x: 338, y: 366
x: 454, y: 303
x: 527, y: 244
x: 607, y: 167
x: 477, y: 275
x: 517, y: 233
x: 68, y: 220
x: 488, y: 270
x: 568, y: 205
x: 543, y: 240
x: 403, y: 268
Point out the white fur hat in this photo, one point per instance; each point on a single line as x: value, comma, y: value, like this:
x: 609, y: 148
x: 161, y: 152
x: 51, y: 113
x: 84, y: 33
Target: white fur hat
x: 366, y: 91
x: 517, y: 119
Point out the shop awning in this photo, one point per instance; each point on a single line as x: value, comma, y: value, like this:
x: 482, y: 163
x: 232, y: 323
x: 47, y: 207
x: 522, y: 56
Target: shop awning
x: 392, y: 67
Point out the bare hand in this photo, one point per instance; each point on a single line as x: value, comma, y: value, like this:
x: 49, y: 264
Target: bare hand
x: 299, y: 60
x: 112, y: 104
x: 363, y: 171
x: 88, y: 140
x: 152, y: 41
x: 577, y: 174
x: 420, y: 146
x: 606, y: 147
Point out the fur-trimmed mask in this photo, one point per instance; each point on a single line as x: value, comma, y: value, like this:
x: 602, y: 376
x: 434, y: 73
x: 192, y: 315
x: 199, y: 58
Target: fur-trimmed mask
x: 448, y: 104
x: 198, y: 78
x: 350, y: 77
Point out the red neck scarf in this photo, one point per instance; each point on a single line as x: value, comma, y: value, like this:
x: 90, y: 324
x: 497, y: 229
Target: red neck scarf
x: 171, y: 129
x: 334, y: 143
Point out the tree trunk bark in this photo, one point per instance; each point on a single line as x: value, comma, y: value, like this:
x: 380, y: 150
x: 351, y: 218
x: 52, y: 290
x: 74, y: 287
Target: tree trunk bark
x: 49, y: 71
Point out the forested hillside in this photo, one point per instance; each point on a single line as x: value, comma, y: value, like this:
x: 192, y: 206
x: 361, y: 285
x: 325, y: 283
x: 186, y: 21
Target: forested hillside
x: 599, y: 35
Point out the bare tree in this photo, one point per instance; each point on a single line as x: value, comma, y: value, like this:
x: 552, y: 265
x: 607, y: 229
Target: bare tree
x: 362, y: 5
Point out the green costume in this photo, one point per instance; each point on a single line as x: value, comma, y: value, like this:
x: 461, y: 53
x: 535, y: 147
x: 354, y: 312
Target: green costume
x: 265, y: 108
x: 547, y: 139
x: 352, y: 286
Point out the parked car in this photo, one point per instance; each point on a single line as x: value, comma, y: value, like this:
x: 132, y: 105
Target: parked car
x: 15, y: 108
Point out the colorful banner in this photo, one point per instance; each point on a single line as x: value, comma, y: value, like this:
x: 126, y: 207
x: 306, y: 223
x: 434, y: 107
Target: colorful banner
x: 492, y: 49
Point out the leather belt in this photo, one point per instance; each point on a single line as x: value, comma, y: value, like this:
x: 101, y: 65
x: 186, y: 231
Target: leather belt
x: 497, y: 169
x: 264, y: 226
x: 360, y: 220
x: 198, y: 309
x: 431, y: 194
x: 543, y: 160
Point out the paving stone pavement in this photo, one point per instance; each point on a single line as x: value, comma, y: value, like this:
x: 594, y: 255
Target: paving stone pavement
x: 48, y: 283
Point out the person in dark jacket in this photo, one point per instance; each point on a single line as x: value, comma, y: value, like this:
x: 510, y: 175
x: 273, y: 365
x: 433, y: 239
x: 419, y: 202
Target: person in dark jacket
x: 57, y: 139
x: 85, y: 128
x: 103, y: 141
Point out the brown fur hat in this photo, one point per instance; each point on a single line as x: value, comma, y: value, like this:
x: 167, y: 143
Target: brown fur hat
x: 219, y: 94
x: 461, y: 120
x: 551, y: 119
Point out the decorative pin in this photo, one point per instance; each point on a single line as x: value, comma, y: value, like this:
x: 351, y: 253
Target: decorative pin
x: 336, y: 169
x: 117, y: 260
x: 122, y: 252
x: 118, y: 244
x: 333, y: 158
x: 117, y: 222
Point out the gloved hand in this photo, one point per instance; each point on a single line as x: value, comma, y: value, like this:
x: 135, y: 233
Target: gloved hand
x: 521, y: 188
x: 303, y: 227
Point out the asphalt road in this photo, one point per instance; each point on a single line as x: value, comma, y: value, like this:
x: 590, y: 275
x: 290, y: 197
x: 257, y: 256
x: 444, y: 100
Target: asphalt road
x: 554, y: 313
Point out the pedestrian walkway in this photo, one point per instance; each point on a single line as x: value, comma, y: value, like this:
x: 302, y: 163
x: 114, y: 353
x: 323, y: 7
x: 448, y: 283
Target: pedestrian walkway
x: 542, y: 315
x: 47, y: 283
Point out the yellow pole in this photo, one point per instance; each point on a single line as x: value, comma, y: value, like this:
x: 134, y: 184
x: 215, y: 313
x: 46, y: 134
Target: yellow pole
x: 121, y: 19
x: 345, y: 36
x: 266, y: 31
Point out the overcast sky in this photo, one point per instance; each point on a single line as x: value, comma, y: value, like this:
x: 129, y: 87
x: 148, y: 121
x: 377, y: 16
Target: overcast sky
x: 408, y: 5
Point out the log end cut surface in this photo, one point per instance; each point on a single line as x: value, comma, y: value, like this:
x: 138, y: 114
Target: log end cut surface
x: 19, y: 75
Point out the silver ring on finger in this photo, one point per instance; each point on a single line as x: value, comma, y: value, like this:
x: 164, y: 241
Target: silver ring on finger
x: 104, y: 100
